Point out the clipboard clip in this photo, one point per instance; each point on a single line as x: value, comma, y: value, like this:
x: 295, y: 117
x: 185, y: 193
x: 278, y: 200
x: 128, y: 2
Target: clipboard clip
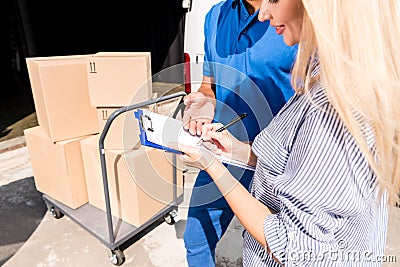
x: 148, y: 120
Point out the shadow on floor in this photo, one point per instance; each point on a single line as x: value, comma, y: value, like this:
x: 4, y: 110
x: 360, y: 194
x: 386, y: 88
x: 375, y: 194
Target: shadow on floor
x: 21, y: 211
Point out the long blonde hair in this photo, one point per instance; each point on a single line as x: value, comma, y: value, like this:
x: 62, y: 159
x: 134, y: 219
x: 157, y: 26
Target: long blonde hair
x: 357, y: 42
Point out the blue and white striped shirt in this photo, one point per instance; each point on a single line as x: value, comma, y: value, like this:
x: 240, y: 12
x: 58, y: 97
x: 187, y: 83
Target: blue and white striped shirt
x: 312, y: 174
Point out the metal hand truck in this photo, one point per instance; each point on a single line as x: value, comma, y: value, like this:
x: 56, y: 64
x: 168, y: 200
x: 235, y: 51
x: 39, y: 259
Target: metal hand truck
x: 92, y: 219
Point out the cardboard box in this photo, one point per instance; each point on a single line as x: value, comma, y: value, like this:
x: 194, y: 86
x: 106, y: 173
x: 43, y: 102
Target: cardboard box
x: 61, y: 96
x: 57, y: 167
x: 123, y: 133
x: 119, y: 79
x: 168, y: 108
x: 140, y: 182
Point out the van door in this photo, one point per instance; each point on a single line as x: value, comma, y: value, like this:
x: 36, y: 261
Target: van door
x: 194, y: 40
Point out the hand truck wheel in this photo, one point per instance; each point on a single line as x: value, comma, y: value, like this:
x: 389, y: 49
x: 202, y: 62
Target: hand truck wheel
x: 171, y: 217
x: 117, y: 257
x: 56, y: 212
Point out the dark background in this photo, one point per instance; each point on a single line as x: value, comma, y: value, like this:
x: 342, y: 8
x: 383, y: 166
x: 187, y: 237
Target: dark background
x: 57, y: 28
x: 39, y: 28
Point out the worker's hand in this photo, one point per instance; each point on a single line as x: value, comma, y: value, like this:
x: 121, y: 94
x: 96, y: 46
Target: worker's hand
x: 199, y: 111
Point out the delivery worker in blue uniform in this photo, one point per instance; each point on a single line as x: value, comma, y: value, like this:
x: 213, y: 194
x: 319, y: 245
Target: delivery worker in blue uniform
x: 246, y: 70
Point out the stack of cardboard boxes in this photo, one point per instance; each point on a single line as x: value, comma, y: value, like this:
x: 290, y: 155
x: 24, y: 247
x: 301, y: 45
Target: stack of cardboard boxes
x: 74, y: 96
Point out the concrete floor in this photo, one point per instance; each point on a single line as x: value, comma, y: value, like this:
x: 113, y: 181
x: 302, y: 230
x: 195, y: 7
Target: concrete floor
x: 62, y: 242
x: 35, y: 238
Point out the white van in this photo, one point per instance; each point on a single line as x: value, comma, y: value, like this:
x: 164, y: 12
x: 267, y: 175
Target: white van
x: 194, y: 41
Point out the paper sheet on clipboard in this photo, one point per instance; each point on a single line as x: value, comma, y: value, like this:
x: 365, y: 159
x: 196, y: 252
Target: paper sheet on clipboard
x: 158, y: 131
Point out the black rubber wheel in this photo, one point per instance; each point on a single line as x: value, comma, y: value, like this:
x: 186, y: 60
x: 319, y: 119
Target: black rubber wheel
x: 169, y: 219
x: 117, y: 257
x: 56, y: 212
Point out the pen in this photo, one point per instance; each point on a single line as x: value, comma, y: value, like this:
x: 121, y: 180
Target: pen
x: 238, y: 118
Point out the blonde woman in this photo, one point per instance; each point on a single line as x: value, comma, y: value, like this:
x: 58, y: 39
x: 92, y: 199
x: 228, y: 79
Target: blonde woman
x: 327, y: 166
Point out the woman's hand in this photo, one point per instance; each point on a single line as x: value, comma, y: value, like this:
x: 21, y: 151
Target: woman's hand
x: 199, y: 157
x: 215, y: 143
x: 224, y: 143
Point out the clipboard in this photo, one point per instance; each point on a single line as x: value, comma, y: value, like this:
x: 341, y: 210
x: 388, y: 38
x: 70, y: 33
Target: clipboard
x: 158, y: 131
x: 146, y: 125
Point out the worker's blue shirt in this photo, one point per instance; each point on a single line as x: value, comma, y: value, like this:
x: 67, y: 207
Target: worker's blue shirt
x: 250, y: 64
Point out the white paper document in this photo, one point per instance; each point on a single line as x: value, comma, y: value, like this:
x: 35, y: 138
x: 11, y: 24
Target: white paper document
x: 163, y: 130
